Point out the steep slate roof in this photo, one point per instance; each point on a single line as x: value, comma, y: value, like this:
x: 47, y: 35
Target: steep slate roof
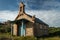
x: 38, y: 20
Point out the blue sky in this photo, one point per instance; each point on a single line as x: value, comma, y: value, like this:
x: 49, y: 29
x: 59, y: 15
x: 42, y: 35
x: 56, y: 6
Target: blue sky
x: 46, y: 10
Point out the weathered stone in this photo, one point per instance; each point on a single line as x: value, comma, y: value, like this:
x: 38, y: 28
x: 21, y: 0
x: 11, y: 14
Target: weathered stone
x: 14, y: 29
x: 33, y: 27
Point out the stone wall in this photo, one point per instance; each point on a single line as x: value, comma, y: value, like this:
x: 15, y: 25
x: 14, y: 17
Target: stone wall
x: 40, y: 29
x: 32, y: 29
x: 29, y: 29
x: 14, y: 29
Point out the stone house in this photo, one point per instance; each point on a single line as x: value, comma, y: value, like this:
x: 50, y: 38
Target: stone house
x: 27, y: 25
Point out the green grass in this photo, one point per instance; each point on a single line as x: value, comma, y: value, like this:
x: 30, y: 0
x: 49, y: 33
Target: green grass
x: 50, y: 38
x: 7, y: 35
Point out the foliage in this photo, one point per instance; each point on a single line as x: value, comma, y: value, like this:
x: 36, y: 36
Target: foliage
x: 54, y: 29
x: 54, y: 34
x: 4, y: 29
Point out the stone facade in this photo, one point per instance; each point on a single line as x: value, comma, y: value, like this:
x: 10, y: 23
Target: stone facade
x: 14, y: 29
x: 29, y: 29
x: 40, y: 29
x: 31, y: 25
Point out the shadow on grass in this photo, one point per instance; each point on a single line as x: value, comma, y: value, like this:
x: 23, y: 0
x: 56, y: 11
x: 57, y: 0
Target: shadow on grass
x: 50, y: 35
x: 54, y: 34
x: 5, y: 38
x: 44, y: 36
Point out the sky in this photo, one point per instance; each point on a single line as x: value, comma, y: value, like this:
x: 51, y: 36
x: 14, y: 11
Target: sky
x: 46, y: 10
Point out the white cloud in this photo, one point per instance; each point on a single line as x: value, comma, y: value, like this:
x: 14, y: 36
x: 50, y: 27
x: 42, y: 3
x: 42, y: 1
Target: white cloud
x: 51, y: 17
x: 8, y: 15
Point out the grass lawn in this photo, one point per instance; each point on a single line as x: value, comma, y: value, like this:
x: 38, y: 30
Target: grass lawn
x: 7, y: 35
x: 50, y: 38
x: 4, y: 35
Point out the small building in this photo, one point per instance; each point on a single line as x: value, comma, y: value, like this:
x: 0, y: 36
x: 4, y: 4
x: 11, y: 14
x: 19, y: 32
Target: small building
x: 27, y: 25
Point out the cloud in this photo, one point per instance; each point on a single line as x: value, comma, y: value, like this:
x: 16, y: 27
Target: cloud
x: 30, y: 4
x: 46, y: 10
x: 43, y: 4
x: 8, y: 15
x: 17, y: 2
x: 51, y: 17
